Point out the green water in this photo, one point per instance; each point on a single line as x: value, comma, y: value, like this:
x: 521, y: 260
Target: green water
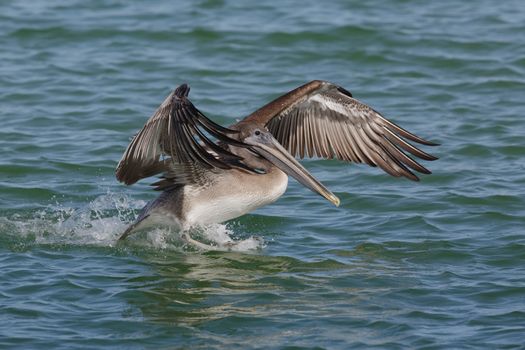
x: 438, y: 264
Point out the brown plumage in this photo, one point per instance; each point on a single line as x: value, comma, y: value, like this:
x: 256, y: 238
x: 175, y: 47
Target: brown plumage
x: 318, y: 119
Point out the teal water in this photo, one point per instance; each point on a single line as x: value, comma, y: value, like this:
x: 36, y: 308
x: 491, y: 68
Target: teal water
x: 438, y: 264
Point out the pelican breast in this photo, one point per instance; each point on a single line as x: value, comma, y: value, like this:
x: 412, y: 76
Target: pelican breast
x: 231, y: 195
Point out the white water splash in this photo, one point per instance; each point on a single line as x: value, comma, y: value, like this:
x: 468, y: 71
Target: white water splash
x: 104, y: 219
x: 220, y: 237
x: 216, y: 237
x: 99, y: 222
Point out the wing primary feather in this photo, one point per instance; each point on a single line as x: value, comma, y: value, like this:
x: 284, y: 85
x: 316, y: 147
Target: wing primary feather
x: 328, y: 152
x: 276, y: 131
x: 384, y: 159
x: 360, y: 147
x: 352, y: 148
x: 286, y: 129
x: 405, y: 133
x: 404, y: 171
x: 215, y: 148
x: 405, y: 159
x: 198, y: 151
x: 335, y: 141
x: 177, y: 146
x: 211, y: 124
x: 190, y: 144
x: 300, y: 137
x: 221, y: 152
x: 395, y: 152
x: 407, y: 146
x: 222, y: 137
x: 289, y: 134
x: 185, y: 149
x: 342, y: 144
x: 318, y: 138
x: 307, y: 134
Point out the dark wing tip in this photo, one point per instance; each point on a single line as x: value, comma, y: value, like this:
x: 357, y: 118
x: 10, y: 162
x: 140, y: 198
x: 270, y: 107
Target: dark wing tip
x: 344, y: 91
x: 425, y: 142
x: 182, y: 90
x: 124, y: 176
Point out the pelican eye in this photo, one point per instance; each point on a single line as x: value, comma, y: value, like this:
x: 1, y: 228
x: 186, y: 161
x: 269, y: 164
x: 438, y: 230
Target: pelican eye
x: 257, y: 132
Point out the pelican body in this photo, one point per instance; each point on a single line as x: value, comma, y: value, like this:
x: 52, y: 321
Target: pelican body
x: 211, y: 174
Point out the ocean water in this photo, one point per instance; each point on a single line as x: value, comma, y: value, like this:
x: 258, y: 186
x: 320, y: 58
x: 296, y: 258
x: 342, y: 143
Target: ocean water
x: 438, y: 264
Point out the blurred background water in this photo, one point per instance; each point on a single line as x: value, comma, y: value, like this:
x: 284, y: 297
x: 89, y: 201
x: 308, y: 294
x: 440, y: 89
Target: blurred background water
x: 438, y: 264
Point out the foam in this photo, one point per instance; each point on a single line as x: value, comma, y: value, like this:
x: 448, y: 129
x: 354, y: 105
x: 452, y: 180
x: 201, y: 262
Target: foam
x: 101, y: 221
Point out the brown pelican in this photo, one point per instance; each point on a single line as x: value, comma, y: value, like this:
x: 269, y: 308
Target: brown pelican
x: 211, y: 174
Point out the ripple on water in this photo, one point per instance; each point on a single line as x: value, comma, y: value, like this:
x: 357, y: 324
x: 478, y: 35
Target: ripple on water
x: 434, y: 264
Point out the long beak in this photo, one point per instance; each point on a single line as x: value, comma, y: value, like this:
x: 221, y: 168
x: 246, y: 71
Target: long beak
x: 280, y: 157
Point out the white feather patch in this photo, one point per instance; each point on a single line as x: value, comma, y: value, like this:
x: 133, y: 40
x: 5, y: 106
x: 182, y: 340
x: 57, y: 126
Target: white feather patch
x: 327, y: 103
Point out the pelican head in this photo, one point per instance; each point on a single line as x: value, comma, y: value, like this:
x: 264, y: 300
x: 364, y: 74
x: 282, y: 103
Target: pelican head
x: 265, y: 145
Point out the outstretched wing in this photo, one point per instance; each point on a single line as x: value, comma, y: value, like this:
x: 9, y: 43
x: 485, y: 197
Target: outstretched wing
x: 177, y: 130
x: 321, y: 119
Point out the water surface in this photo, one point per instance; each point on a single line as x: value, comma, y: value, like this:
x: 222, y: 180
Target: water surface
x: 437, y: 264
